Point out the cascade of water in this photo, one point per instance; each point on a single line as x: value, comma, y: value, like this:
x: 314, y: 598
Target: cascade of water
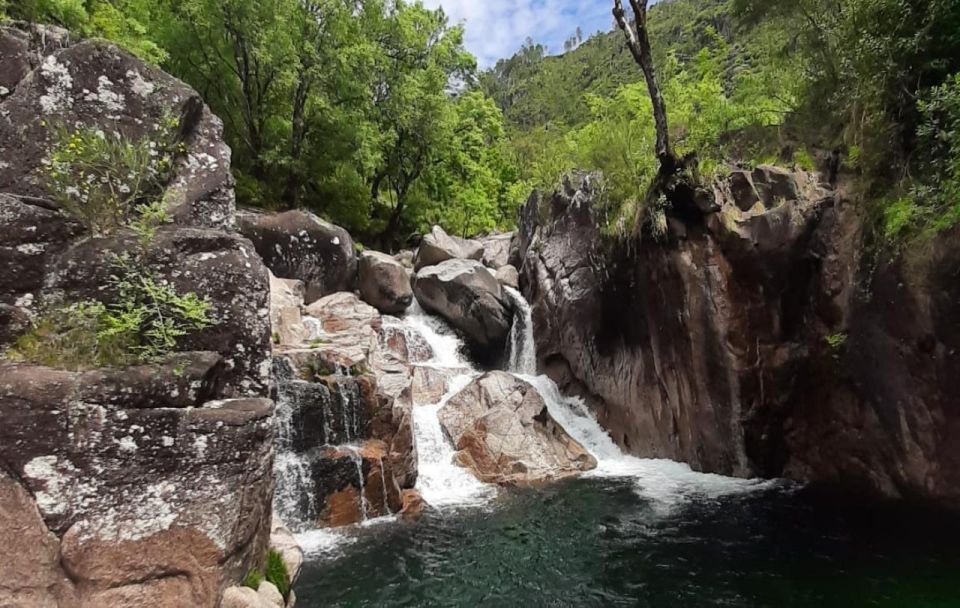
x: 523, y: 349
x: 440, y: 481
x: 358, y: 460
x: 294, y: 498
x: 383, y: 482
x: 663, y: 481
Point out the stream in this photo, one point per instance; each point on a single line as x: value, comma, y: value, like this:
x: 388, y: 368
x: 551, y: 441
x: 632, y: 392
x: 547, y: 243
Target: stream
x: 632, y: 532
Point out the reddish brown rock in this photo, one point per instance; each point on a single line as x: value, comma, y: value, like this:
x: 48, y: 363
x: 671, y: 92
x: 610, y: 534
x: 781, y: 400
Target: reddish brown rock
x: 413, y: 505
x: 504, y: 434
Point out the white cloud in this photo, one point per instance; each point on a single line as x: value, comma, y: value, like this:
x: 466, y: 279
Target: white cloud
x: 497, y: 28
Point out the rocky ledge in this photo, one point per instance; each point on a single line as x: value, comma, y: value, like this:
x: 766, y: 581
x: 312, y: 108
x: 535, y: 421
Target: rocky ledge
x: 755, y: 338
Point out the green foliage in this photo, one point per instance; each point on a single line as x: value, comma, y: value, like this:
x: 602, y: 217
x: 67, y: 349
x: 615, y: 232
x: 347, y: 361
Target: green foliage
x: 103, y: 180
x: 150, y: 312
x: 109, y: 183
x: 70, y: 337
x: 276, y: 573
x: 618, y: 138
x: 122, y: 21
x: 836, y: 342
x: 252, y: 580
x: 142, y: 324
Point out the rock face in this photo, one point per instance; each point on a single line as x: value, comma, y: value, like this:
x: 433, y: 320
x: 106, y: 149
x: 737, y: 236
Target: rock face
x: 97, y: 85
x: 504, y: 434
x: 383, y: 283
x: 508, y: 275
x: 711, y: 346
x: 496, y: 249
x: 465, y: 294
x: 344, y: 397
x: 438, y: 246
x: 299, y: 245
x: 148, y: 485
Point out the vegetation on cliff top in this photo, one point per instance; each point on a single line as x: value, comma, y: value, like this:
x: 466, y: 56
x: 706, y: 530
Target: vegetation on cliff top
x: 375, y: 116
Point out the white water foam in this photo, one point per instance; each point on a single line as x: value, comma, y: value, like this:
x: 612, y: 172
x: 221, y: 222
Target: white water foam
x: 440, y: 481
x: 665, y: 482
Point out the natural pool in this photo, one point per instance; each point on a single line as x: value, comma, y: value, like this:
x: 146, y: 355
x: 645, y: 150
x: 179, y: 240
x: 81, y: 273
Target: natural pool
x: 609, y: 542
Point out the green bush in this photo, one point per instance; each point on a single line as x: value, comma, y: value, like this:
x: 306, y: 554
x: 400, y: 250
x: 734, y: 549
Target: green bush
x: 144, y: 323
x: 102, y: 180
x: 274, y: 572
x: 252, y: 580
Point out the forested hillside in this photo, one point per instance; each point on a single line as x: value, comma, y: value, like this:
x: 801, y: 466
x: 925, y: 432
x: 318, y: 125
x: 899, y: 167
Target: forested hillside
x: 374, y: 114
x: 865, y: 87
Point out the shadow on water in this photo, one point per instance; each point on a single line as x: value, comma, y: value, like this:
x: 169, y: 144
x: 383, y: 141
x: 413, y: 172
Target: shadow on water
x: 598, y: 542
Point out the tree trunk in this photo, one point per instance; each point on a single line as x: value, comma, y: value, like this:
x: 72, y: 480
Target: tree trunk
x: 639, y: 44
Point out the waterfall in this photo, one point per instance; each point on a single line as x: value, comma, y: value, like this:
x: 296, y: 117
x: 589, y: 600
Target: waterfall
x: 294, y: 499
x: 357, y: 459
x: 440, y: 481
x: 523, y: 349
x: 665, y: 482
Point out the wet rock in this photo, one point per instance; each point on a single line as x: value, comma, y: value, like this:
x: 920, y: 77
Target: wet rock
x: 504, y: 434
x: 712, y: 348
x: 351, y: 484
x: 299, y: 245
x: 413, y: 505
x: 383, y: 283
x: 465, y: 294
x: 431, y: 383
x: 438, y: 246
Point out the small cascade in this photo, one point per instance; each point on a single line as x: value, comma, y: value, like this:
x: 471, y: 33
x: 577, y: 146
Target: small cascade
x: 294, y: 498
x: 357, y: 459
x: 350, y: 406
x: 383, y: 483
x: 663, y: 481
x: 523, y: 350
x: 440, y: 481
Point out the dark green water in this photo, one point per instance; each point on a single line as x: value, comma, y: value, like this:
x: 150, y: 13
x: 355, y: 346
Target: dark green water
x: 596, y: 542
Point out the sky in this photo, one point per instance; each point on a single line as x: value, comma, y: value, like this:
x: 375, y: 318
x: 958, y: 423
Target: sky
x: 497, y: 28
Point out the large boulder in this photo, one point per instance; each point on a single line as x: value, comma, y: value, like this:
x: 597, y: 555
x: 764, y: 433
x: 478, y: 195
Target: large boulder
x: 383, y: 282
x: 504, y: 433
x: 126, y: 485
x: 148, y: 485
x: 438, y: 246
x: 218, y: 266
x: 97, y: 85
x: 496, y: 249
x: 465, y: 294
x: 299, y: 245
